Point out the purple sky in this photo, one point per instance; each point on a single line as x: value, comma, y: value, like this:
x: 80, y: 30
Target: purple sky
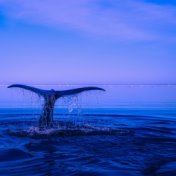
x: 87, y: 41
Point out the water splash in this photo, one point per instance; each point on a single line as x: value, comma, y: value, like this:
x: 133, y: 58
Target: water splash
x: 72, y: 102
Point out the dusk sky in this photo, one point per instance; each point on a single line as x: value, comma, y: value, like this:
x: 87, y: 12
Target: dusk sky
x: 87, y: 41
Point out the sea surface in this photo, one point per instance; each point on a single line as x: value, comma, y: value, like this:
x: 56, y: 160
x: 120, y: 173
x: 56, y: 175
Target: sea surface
x: 132, y: 138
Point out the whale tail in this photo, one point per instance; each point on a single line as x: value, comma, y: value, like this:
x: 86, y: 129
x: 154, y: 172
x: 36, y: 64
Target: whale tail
x: 57, y: 94
x: 50, y: 97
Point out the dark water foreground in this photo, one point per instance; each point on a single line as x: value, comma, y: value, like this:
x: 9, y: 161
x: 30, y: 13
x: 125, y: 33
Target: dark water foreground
x: 96, y: 142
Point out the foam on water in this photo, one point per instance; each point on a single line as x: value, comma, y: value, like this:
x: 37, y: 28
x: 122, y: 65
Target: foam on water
x: 74, y: 130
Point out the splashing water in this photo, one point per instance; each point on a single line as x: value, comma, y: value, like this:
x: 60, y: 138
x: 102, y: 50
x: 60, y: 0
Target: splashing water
x: 74, y: 126
x: 72, y: 102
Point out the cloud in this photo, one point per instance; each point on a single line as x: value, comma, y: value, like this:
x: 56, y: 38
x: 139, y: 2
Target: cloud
x: 124, y: 20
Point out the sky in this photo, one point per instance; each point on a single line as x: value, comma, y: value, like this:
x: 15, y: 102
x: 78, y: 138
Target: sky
x: 87, y: 42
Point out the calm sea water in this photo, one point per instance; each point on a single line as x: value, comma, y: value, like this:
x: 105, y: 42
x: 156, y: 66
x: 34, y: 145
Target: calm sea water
x: 128, y: 131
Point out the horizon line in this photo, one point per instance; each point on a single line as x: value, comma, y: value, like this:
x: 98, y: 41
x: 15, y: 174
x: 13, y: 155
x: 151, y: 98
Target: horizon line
x: 108, y: 84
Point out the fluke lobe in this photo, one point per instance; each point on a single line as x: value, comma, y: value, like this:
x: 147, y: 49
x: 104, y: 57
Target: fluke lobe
x: 50, y: 98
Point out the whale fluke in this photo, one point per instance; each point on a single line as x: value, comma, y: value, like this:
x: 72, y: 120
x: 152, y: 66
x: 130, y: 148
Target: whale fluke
x: 58, y: 94
x: 50, y: 97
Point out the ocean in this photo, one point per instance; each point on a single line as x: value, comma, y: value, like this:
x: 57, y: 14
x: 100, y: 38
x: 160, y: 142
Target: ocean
x: 126, y: 131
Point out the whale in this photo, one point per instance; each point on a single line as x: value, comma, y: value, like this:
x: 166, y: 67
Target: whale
x: 50, y: 97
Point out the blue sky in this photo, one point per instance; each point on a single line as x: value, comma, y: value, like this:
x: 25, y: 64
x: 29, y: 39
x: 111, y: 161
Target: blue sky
x: 87, y: 42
